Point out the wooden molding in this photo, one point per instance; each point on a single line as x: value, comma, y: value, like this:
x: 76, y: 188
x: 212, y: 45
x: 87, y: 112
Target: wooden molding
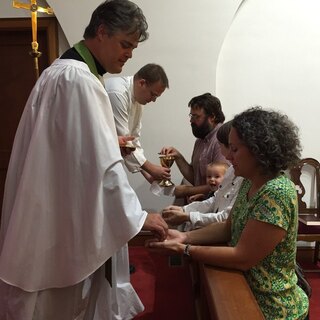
x: 49, y: 24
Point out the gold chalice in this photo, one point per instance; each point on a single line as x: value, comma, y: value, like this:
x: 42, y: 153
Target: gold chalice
x: 167, y: 162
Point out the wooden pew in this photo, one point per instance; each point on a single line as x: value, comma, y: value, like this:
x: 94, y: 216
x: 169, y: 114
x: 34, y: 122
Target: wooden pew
x: 226, y: 295
x: 220, y: 294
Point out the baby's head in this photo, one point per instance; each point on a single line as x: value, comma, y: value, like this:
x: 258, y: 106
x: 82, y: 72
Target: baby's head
x: 215, y: 173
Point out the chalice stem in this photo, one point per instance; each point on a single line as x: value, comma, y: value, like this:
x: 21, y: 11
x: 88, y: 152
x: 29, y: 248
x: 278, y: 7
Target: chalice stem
x: 167, y: 162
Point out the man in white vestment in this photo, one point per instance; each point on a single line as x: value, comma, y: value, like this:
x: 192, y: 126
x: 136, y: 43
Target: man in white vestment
x: 128, y: 96
x: 68, y: 207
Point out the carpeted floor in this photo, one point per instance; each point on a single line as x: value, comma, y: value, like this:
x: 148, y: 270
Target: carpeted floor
x: 163, y: 284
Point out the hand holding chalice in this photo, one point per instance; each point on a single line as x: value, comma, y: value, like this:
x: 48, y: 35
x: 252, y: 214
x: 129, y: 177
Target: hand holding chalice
x: 167, y: 162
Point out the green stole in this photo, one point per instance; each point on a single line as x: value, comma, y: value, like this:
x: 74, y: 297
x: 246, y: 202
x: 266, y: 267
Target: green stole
x: 87, y: 57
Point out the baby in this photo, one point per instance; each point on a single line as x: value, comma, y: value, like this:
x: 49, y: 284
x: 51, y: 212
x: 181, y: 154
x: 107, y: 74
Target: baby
x: 215, y: 174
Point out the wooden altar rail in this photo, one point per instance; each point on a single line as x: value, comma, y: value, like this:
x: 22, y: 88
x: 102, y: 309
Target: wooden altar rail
x: 226, y: 295
x: 220, y: 294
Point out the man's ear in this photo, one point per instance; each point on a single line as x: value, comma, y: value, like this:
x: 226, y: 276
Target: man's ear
x: 212, y: 119
x: 142, y: 82
x: 101, y: 31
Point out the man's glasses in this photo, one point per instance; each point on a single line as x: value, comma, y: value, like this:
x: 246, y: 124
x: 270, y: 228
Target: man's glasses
x: 154, y: 95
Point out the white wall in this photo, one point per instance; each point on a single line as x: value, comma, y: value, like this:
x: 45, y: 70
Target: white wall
x: 267, y: 57
x: 270, y: 57
x: 186, y: 41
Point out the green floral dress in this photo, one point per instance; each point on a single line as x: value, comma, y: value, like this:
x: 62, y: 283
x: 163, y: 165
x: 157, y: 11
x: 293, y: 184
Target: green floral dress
x: 273, y: 280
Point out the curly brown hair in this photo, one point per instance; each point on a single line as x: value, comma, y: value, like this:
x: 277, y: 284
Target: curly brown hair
x: 271, y: 137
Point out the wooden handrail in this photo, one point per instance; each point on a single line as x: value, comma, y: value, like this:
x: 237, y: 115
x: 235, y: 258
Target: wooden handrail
x: 140, y: 239
x: 228, y: 295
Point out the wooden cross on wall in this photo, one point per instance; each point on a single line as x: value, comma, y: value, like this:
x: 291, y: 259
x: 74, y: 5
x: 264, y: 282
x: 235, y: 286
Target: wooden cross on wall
x: 34, y: 9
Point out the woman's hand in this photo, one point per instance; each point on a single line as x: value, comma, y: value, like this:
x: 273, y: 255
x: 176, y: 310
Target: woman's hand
x: 173, y: 244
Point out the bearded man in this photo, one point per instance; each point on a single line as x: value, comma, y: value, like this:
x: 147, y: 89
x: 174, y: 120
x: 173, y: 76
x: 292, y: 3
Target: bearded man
x: 206, y: 117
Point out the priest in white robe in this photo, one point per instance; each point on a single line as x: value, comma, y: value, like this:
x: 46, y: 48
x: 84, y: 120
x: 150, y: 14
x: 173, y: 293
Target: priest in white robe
x: 68, y: 207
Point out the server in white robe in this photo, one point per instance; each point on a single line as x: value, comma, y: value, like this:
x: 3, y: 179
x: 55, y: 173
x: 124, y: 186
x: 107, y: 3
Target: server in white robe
x: 68, y: 207
x: 128, y: 96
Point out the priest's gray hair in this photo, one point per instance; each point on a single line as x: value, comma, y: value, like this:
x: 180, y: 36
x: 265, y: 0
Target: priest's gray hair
x: 118, y: 16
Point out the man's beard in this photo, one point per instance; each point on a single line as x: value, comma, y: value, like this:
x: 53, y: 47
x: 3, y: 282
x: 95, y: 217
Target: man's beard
x: 201, y: 131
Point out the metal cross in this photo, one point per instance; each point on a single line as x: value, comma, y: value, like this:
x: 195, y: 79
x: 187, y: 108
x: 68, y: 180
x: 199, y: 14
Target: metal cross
x: 34, y: 9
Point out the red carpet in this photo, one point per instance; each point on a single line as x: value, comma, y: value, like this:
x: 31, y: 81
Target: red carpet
x: 164, y: 288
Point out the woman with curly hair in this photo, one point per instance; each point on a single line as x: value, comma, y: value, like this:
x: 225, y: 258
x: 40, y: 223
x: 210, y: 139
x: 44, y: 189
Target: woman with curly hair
x: 262, y: 227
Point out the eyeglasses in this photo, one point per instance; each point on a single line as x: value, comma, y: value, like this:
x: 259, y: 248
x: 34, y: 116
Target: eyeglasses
x: 154, y: 95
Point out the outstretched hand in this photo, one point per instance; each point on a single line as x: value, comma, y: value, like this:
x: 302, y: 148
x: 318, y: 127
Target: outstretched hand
x: 172, y: 244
